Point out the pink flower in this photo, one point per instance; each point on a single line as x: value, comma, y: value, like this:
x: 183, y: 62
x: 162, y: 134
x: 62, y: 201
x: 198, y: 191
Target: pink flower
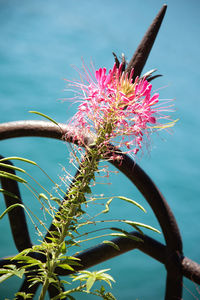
x: 114, y: 107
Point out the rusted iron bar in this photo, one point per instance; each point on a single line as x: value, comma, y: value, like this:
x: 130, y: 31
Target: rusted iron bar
x: 29, y: 128
x: 191, y: 270
x: 128, y: 167
x: 137, y: 176
x: 166, y: 220
x: 36, y: 128
x: 102, y: 252
x: 155, y: 199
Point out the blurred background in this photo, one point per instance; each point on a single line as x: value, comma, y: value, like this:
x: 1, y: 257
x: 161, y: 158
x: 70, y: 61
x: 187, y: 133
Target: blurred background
x: 40, y: 43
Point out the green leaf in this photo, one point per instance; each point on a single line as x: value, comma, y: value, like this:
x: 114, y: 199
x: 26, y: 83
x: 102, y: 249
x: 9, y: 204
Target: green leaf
x: 34, y: 281
x: 9, y: 209
x: 112, y: 244
x: 101, y: 275
x: 80, y: 277
x: 118, y: 229
x: 22, y: 254
x: 72, y: 261
x: 30, y: 260
x: 63, y: 248
x: 90, y: 281
x: 13, y: 267
x: 7, y: 273
x: 107, y: 206
x: 52, y: 280
x: 57, y: 200
x: 42, y: 195
x: 44, y: 116
x: 24, y: 295
x: 71, y: 258
x: 91, y: 277
x: 142, y: 225
x: 19, y: 272
x: 8, y: 194
x: 129, y: 236
x: 12, y: 167
x: 12, y: 177
x: 102, y: 271
x: 5, y: 276
x: 131, y: 201
x: 65, y: 267
x: 65, y: 282
x: 19, y: 158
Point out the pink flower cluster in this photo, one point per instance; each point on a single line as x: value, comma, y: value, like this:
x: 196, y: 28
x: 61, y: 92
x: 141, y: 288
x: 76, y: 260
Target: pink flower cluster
x: 113, y: 105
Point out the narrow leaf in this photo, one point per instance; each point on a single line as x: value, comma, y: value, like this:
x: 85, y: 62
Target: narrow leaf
x: 8, y: 194
x: 131, y: 201
x: 19, y: 273
x: 80, y: 277
x: 126, y: 236
x: 90, y: 282
x: 44, y: 116
x: 22, y: 254
x: 107, y: 206
x: 65, y: 267
x: 63, y: 248
x: 11, y: 167
x: 12, y: 177
x: 71, y: 257
x: 142, y: 225
x: 103, y: 271
x: 5, y: 276
x: 112, y: 244
x: 19, y: 158
x: 30, y: 260
x: 9, y: 266
x: 9, y: 209
x: 42, y: 195
x: 24, y: 295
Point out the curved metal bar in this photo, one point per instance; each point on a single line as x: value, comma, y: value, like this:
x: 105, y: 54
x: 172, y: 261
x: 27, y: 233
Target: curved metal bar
x: 132, y: 170
x: 128, y: 167
x: 137, y: 176
x: 102, y: 252
x: 29, y: 128
x: 16, y: 216
x: 191, y: 270
x: 155, y: 199
x: 166, y: 220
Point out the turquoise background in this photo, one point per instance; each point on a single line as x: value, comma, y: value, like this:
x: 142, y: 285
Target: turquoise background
x: 40, y: 43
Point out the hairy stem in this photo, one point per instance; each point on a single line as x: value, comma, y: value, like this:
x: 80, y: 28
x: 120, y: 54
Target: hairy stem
x: 71, y: 209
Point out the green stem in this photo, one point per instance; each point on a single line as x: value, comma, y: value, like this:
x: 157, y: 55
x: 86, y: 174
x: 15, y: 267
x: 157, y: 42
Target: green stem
x: 44, y: 289
x: 70, y: 209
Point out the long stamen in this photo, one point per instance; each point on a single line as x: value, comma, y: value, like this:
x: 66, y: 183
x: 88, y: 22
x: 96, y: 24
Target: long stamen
x: 117, y: 108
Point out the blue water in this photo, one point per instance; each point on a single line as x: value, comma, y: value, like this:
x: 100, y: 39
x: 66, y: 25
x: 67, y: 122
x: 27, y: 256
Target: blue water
x: 40, y: 42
